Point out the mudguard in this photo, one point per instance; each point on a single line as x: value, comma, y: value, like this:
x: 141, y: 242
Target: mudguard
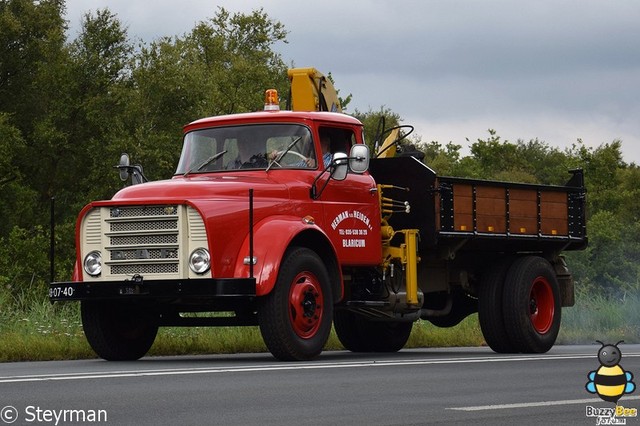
x: 271, y: 238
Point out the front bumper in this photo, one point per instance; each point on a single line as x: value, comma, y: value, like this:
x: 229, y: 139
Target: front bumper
x: 139, y: 288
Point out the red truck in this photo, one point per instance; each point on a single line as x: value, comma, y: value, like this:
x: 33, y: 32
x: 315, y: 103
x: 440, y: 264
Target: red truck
x: 256, y: 228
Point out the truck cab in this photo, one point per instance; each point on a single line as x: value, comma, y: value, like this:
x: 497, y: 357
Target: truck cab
x: 251, y: 193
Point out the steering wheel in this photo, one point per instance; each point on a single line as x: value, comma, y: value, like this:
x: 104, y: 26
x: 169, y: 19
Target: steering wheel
x: 294, y: 153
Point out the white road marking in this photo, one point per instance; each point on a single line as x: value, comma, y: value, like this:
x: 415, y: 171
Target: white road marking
x: 318, y: 365
x: 537, y: 404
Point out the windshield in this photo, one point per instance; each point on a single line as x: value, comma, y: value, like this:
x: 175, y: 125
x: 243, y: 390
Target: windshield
x: 247, y: 147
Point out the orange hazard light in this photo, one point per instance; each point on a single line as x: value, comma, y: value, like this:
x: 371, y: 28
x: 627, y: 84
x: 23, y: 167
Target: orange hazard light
x: 271, y: 100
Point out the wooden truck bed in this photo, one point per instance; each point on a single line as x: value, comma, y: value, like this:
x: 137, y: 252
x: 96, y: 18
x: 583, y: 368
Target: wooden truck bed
x: 485, y: 215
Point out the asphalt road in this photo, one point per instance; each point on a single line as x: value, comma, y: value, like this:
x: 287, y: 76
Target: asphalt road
x: 411, y: 387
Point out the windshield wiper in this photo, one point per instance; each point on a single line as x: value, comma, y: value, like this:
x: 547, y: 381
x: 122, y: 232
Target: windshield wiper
x: 206, y: 163
x: 283, y: 153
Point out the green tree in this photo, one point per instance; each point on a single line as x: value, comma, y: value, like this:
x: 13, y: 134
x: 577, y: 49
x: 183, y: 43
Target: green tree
x: 101, y: 61
x: 372, y: 122
x: 344, y: 102
x: 629, y: 193
x: 31, y: 34
x: 249, y: 63
x: 444, y: 160
x: 602, y: 167
x: 16, y: 200
x: 222, y: 66
x: 31, y: 38
x: 496, y: 158
x: 81, y: 106
x: 609, y: 265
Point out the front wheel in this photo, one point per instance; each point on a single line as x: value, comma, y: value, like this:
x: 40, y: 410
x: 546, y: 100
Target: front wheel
x: 295, y: 318
x: 118, y: 332
x: 532, y: 306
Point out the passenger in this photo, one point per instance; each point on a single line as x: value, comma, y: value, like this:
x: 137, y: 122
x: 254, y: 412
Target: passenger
x: 325, y: 143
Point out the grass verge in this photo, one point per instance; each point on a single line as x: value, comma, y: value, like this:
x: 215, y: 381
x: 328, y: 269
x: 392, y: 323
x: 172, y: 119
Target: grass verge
x: 49, y: 332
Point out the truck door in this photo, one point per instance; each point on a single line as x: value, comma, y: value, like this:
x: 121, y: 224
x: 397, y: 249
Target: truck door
x: 351, y: 210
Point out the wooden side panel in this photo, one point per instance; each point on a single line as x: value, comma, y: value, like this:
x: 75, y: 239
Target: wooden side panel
x: 523, y: 211
x: 462, y: 208
x: 502, y: 209
x: 491, y: 209
x: 554, y: 213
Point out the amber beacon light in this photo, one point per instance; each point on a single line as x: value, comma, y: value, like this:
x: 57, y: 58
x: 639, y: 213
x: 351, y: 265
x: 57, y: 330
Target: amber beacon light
x: 271, y: 100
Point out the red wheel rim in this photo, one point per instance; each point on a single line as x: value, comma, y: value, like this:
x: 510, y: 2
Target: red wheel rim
x: 541, y: 305
x: 306, y: 305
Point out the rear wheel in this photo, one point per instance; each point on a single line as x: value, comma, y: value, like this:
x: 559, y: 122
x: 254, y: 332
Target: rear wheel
x: 358, y: 334
x: 347, y: 328
x: 491, y: 309
x: 532, y: 305
x: 295, y: 318
x: 118, y: 332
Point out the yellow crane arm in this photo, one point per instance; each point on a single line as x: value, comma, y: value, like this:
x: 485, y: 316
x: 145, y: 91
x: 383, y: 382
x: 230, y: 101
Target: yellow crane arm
x: 388, y: 147
x: 312, y: 91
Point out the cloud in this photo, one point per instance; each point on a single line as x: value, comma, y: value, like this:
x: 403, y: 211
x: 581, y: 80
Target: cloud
x: 553, y: 70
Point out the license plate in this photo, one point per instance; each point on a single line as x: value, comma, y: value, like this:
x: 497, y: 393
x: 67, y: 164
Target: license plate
x: 62, y: 291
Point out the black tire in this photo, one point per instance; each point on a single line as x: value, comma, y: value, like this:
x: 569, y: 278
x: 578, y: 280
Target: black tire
x: 532, y: 308
x: 295, y: 318
x: 347, y: 328
x: 387, y: 336
x: 491, y: 308
x: 358, y: 334
x: 118, y: 332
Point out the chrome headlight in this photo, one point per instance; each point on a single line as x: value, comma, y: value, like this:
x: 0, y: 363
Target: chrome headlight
x: 200, y: 261
x: 93, y: 263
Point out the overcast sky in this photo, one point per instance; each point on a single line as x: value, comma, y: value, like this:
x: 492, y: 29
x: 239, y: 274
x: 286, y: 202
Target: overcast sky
x: 552, y: 70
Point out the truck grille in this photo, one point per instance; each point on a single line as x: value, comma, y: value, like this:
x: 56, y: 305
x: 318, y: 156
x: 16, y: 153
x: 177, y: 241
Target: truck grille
x: 151, y: 241
x: 144, y: 269
x: 136, y: 240
x: 143, y: 240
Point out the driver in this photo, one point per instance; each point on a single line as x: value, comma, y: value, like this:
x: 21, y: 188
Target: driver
x: 310, y: 162
x: 325, y: 143
x: 249, y: 156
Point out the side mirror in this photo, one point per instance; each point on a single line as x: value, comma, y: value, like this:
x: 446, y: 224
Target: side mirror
x: 359, y: 158
x: 126, y: 170
x: 123, y: 167
x: 340, y: 166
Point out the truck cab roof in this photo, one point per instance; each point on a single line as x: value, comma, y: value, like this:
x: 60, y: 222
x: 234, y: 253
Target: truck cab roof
x: 273, y: 116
